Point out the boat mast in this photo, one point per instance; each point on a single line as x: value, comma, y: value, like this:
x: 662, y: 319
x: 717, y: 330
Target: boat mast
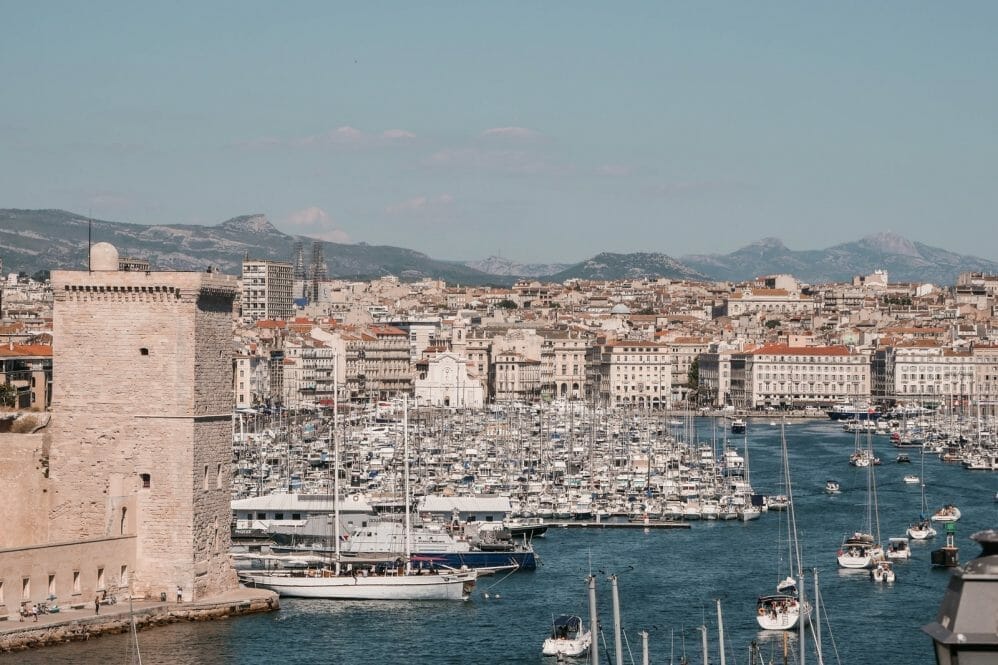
x: 405, y: 447
x: 618, y: 643
x: 593, y: 623
x: 817, y: 620
x: 336, y: 468
x: 720, y: 630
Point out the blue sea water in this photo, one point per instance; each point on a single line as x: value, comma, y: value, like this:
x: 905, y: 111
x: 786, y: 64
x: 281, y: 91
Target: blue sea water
x: 669, y: 580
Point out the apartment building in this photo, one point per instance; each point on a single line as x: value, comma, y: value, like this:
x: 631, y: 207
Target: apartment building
x: 632, y: 373
x: 754, y: 300
x: 779, y: 375
x: 563, y: 364
x: 515, y: 378
x: 923, y: 371
x: 266, y: 290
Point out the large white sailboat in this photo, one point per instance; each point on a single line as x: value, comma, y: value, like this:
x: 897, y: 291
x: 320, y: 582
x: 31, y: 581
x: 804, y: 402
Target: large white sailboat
x: 399, y: 581
x: 861, y: 549
x: 783, y: 610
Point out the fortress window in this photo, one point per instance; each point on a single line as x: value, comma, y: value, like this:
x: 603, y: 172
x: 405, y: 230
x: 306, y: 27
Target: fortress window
x: 100, y: 578
x: 218, y: 477
x: 51, y: 585
x: 76, y: 581
x: 144, y: 351
x: 26, y: 588
x: 146, y: 480
x: 204, y: 483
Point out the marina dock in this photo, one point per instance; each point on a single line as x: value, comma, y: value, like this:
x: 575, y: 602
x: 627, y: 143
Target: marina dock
x: 654, y: 524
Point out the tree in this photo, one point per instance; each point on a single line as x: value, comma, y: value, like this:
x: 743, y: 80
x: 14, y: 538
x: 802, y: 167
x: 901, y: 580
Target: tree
x: 8, y: 394
x: 41, y: 276
x: 693, y: 375
x: 506, y: 304
x: 772, y: 323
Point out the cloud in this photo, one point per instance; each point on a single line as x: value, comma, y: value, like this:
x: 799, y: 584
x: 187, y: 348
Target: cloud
x: 518, y: 133
x: 420, y: 203
x: 314, y: 222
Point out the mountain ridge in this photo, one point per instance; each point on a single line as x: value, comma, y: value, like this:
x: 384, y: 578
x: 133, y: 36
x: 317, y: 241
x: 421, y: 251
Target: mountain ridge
x: 32, y: 240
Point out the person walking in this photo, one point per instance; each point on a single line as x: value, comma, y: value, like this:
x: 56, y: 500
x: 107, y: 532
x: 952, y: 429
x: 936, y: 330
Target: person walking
x: 96, y: 605
x: 180, y: 594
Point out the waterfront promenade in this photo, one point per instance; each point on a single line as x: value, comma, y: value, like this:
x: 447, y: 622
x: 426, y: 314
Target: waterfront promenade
x: 75, y: 623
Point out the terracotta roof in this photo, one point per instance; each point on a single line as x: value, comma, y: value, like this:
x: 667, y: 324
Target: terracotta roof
x: 785, y: 350
x: 25, y: 351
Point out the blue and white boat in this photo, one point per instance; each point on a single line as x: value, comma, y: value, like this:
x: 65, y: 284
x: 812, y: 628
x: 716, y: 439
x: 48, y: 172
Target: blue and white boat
x: 853, y: 411
x: 433, y: 545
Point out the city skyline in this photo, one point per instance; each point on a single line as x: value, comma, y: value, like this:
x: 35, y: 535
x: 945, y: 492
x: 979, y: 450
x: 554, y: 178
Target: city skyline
x: 538, y: 133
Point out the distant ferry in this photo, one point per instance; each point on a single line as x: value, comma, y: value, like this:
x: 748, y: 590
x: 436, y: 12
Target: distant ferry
x: 853, y: 412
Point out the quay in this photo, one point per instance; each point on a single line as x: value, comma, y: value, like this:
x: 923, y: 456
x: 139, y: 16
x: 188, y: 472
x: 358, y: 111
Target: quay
x: 78, y: 622
x: 651, y: 524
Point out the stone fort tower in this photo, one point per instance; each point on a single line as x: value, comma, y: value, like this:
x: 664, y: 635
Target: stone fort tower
x: 141, y: 445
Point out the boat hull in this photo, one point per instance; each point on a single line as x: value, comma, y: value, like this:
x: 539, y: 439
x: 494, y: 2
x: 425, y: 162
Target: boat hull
x: 450, y: 586
x: 569, y: 648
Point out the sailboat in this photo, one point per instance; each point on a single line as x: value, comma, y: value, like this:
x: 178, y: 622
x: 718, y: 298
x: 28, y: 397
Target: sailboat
x: 860, y: 549
x: 922, y: 529
x: 783, y: 610
x: 396, y: 581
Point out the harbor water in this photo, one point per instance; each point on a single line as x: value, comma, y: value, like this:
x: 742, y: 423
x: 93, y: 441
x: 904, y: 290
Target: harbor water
x: 668, y: 578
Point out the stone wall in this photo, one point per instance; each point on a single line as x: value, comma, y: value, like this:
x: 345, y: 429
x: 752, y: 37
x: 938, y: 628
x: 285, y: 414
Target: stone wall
x: 72, y: 572
x: 23, y: 489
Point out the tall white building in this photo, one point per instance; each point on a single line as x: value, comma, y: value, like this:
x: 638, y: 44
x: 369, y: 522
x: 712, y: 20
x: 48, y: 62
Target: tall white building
x: 267, y: 289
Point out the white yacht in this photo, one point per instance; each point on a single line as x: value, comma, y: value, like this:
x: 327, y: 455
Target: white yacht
x: 569, y: 638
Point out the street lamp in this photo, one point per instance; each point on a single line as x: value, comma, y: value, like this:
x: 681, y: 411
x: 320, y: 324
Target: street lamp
x: 966, y: 629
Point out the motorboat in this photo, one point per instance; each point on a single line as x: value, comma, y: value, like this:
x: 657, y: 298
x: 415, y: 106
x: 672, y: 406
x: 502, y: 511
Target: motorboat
x: 902, y: 459
x: 897, y: 549
x: 569, y: 638
x: 883, y: 571
x: 833, y: 487
x: 911, y: 479
x: 948, y: 513
x: 738, y: 426
x: 778, y: 502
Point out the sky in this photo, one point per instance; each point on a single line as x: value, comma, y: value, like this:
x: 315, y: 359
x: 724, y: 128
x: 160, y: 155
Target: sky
x: 536, y: 131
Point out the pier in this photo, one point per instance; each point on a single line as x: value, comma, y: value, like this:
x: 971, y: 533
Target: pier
x: 653, y: 524
x: 78, y: 621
